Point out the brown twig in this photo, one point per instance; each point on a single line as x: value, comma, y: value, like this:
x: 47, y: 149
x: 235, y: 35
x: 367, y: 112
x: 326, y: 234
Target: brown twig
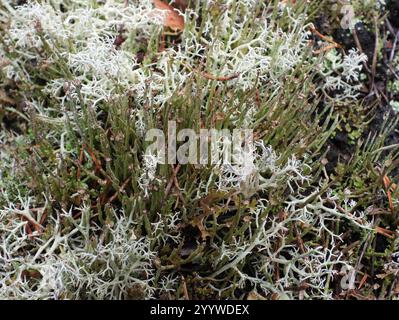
x: 326, y: 48
x: 177, y: 188
x: 365, y: 246
x: 78, y: 173
x: 29, y: 231
x: 93, y: 157
x: 363, y: 281
x: 172, y: 180
x: 332, y: 44
x: 212, y: 77
x: 389, y: 187
x: 43, y: 217
x: 386, y: 233
x: 123, y: 186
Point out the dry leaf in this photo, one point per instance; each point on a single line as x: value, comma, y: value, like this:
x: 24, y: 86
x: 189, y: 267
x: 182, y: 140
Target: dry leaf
x: 173, y: 19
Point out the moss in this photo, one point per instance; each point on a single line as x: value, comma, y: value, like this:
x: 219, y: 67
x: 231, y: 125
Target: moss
x: 76, y: 173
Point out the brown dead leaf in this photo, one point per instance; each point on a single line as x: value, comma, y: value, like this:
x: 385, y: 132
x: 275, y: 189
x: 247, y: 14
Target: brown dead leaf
x: 173, y: 19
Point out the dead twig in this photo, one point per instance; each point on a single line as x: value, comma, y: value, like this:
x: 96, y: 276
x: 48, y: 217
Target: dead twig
x: 172, y: 180
x: 93, y: 157
x: 78, y: 173
x: 363, y: 281
x: 386, y: 233
x: 389, y: 187
x: 121, y: 189
x: 332, y: 44
x: 219, y: 78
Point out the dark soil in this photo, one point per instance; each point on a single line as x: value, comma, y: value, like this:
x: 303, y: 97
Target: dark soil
x: 375, y: 95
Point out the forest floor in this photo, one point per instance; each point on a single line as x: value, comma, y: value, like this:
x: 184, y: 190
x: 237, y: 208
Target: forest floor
x: 312, y: 211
